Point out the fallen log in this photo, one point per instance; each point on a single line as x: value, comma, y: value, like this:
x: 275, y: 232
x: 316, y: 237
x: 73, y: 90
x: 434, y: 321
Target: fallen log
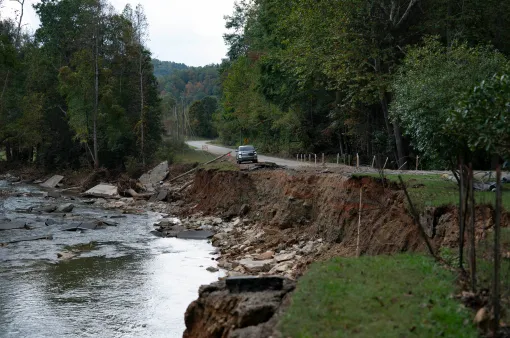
x: 185, y: 186
x: 194, y: 169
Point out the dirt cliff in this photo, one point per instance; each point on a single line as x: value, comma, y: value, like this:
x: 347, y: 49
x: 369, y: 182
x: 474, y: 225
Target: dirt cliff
x: 292, y: 205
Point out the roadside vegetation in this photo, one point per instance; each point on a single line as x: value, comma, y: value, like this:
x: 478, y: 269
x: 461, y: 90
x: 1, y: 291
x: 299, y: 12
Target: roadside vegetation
x: 434, y: 190
x: 383, y: 296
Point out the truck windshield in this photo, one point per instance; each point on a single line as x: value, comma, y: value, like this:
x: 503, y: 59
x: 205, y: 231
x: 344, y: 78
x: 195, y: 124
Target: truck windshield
x: 246, y: 148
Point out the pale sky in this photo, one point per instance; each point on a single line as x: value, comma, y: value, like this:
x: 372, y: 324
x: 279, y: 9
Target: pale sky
x: 187, y: 31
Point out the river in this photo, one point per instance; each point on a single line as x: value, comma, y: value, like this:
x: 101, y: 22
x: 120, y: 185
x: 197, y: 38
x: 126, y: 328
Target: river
x: 130, y: 284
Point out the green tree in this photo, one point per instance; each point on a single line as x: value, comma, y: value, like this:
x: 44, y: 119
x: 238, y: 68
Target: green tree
x: 428, y: 86
x: 200, y: 115
x: 482, y: 118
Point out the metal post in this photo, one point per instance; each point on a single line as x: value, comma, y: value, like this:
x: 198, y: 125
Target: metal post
x: 338, y: 158
x: 497, y: 255
x: 315, y: 158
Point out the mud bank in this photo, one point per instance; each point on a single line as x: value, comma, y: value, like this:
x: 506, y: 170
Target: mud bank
x: 279, y: 222
x: 310, y: 216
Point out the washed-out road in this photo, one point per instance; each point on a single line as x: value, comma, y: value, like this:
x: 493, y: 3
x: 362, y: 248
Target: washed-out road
x: 218, y: 150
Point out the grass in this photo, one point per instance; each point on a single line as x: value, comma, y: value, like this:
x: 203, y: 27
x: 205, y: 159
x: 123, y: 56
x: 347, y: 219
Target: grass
x: 485, y: 266
x: 192, y: 156
x: 198, y: 156
x: 383, y: 296
x: 222, y: 166
x: 434, y: 191
x: 2, y: 156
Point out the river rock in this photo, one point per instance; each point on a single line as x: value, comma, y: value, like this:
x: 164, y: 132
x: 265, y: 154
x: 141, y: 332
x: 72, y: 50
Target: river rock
x: 103, y: 190
x: 212, y: 269
x: 47, y: 209
x: 265, y: 255
x: 254, y: 266
x: 54, y: 194
x: 285, y: 257
x: 65, y: 255
x: 245, y: 208
x: 67, y: 207
x: 50, y: 221
x: 281, y: 268
x: 195, y: 234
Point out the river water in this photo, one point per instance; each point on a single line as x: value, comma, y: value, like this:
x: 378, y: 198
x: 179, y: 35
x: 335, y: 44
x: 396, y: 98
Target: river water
x: 130, y: 285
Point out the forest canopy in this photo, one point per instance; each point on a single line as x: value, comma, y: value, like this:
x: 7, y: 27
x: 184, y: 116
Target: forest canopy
x: 369, y: 77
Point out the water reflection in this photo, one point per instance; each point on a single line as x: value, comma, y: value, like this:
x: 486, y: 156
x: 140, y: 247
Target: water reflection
x: 130, y: 285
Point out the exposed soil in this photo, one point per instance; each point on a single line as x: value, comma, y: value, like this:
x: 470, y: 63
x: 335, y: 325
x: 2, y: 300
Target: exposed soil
x: 294, y: 206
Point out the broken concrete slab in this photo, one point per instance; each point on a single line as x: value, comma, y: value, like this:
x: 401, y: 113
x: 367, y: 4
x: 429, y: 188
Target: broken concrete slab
x: 11, y: 225
x: 152, y: 178
x: 103, y: 190
x: 161, y: 196
x: 195, y: 234
x: 52, y: 181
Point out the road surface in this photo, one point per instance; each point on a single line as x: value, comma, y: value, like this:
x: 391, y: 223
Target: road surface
x: 218, y: 150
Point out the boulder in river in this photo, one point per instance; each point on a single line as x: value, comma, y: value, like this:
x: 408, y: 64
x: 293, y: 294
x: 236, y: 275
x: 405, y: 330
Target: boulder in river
x: 103, y: 190
x: 195, y: 234
x: 67, y: 207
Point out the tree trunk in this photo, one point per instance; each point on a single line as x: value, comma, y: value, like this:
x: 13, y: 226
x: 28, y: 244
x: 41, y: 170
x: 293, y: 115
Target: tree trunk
x: 399, y: 144
x: 96, y: 101
x: 142, y: 125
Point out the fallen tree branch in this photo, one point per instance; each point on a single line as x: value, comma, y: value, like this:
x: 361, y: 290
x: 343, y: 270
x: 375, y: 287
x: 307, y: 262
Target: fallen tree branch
x: 417, y: 220
x: 194, y: 169
x: 185, y: 186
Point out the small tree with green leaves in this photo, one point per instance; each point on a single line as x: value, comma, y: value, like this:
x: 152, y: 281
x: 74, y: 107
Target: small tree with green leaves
x: 430, y: 82
x: 482, y: 118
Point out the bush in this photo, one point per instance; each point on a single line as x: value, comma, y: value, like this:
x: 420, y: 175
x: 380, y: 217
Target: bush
x: 168, y: 149
x: 133, y: 167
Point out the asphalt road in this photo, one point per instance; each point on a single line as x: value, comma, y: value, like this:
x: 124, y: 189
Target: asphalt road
x: 218, y: 150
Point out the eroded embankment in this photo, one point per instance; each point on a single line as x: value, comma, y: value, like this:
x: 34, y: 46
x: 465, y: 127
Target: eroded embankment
x: 290, y: 204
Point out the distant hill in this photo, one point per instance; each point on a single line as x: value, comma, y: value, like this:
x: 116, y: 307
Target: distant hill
x: 165, y: 68
x: 184, y: 82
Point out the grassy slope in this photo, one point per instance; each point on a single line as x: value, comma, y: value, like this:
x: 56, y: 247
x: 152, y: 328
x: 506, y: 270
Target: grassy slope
x: 432, y: 190
x: 198, y: 156
x: 383, y: 296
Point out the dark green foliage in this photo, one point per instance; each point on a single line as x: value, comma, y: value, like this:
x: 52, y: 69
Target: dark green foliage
x: 50, y: 117
x: 200, y: 115
x: 321, y: 74
x: 188, y: 83
x: 482, y: 118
